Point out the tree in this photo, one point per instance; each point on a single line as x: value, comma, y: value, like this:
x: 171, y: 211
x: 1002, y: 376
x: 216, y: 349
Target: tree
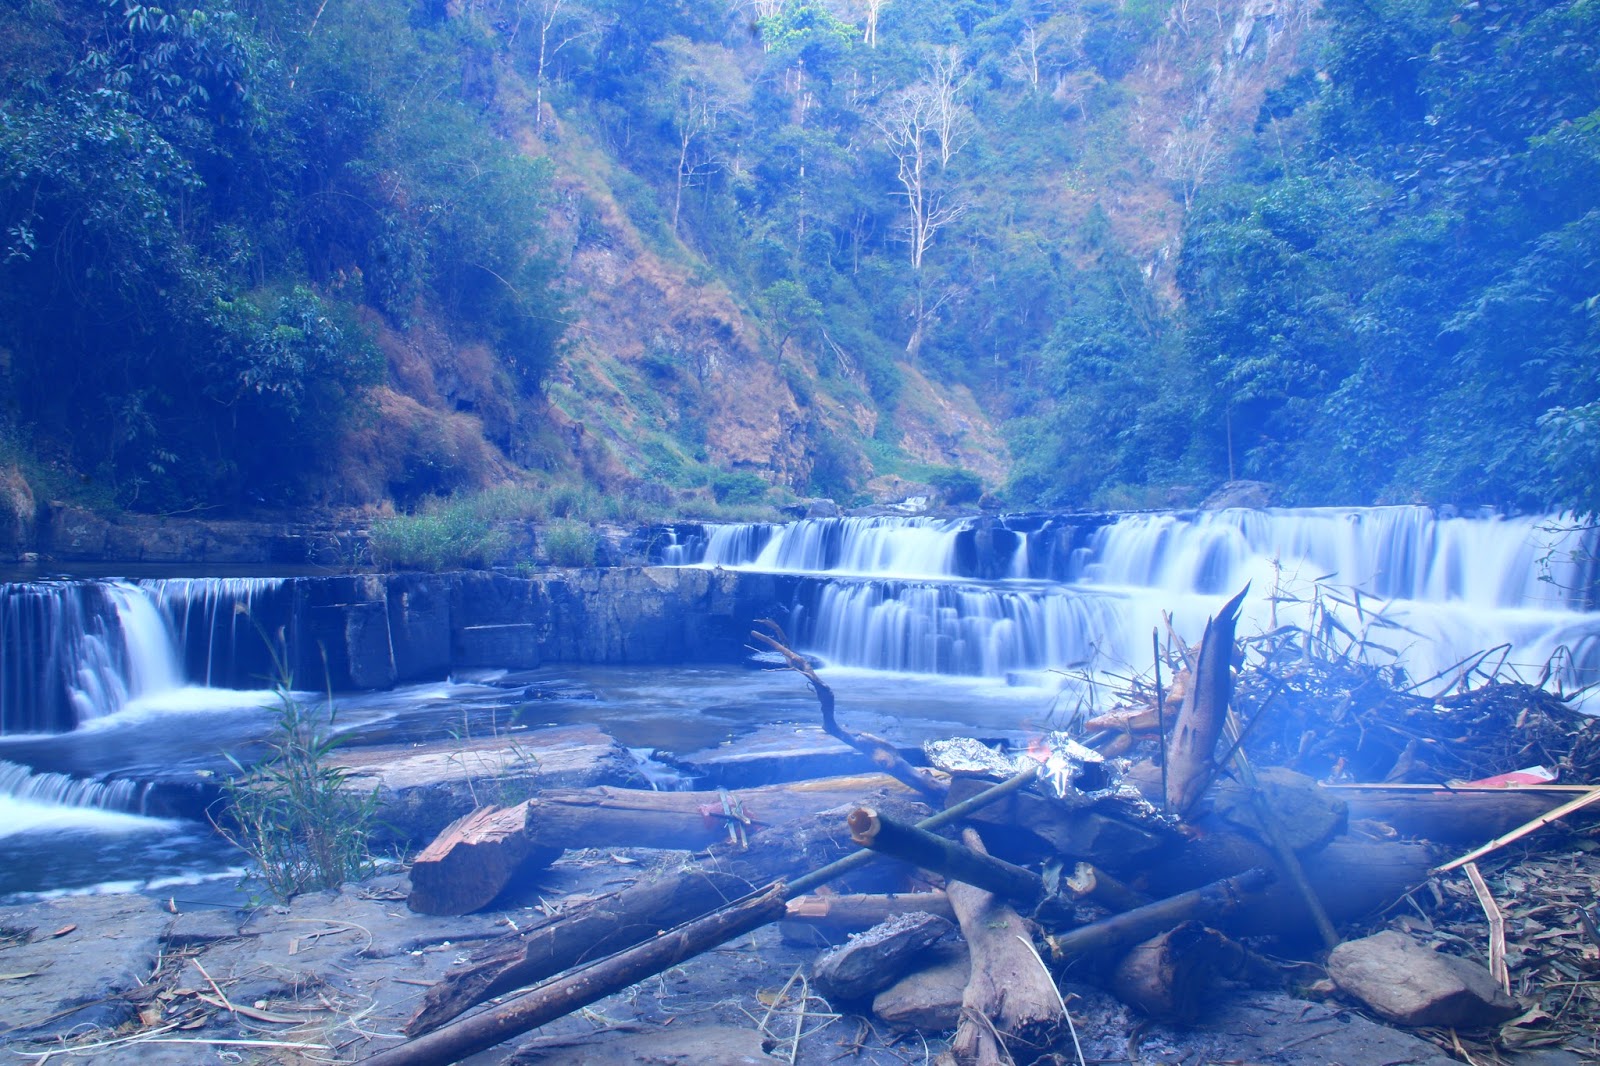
x: 707, y: 90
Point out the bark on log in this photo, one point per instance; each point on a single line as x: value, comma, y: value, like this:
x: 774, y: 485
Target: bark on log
x: 875, y: 830
x: 1011, y: 1010
x: 1120, y: 930
x: 1191, y: 753
x: 476, y: 857
x: 624, y: 918
x: 587, y: 985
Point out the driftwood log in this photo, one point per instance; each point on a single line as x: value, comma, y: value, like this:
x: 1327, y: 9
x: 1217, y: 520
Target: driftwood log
x: 1119, y: 931
x: 1011, y: 1010
x: 873, y: 829
x: 857, y: 911
x: 475, y: 858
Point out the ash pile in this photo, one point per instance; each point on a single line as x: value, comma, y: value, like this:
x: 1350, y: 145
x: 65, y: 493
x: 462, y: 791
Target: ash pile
x: 1259, y: 822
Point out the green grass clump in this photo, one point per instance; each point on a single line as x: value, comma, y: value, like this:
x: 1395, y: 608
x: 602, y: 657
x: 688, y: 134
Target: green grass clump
x: 570, y: 543
x: 451, y: 534
x: 294, y: 814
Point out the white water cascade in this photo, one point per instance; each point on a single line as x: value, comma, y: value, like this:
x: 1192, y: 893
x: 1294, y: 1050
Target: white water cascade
x: 1011, y: 598
x: 72, y: 652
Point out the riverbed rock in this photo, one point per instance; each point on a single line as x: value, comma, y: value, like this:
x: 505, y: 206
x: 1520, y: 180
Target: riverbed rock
x: 768, y: 755
x: 929, y: 999
x: 67, y: 960
x: 1406, y: 982
x: 424, y: 787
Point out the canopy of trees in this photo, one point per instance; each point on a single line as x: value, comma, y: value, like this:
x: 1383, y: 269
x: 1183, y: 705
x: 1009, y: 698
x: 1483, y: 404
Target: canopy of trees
x: 1385, y: 290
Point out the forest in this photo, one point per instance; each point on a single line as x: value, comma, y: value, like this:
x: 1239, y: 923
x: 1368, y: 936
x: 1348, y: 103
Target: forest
x: 1348, y: 248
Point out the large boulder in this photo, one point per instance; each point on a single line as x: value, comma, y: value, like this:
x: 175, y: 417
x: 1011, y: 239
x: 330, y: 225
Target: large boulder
x: 1407, y: 983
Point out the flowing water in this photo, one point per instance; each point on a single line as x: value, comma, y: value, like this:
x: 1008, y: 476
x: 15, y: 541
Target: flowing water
x: 118, y: 698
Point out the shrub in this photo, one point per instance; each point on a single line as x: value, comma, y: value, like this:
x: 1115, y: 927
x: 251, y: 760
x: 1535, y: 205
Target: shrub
x: 295, y: 814
x: 568, y: 543
x: 443, y: 536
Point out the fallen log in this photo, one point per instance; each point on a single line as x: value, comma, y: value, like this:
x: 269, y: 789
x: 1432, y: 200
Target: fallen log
x: 581, y: 986
x: 1352, y: 878
x: 1011, y: 1010
x: 586, y: 985
x: 476, y: 857
x: 624, y: 918
x: 873, y: 829
x: 872, y: 961
x: 1449, y: 814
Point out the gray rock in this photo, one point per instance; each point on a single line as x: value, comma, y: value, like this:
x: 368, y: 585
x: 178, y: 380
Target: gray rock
x: 929, y: 999
x: 1405, y: 982
x: 423, y: 788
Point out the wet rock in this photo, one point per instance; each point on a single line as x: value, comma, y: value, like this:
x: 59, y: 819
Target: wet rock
x: 1307, y: 815
x: 1405, y: 982
x: 194, y: 928
x: 929, y: 999
x: 106, y: 945
x: 1255, y: 494
x: 423, y: 788
x: 771, y: 754
x: 873, y: 959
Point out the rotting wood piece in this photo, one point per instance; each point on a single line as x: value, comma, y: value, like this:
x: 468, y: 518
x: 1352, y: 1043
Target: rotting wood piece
x: 477, y: 856
x: 473, y: 859
x: 1172, y: 976
x: 857, y: 911
x: 1011, y: 1010
x: 1191, y: 753
x: 626, y: 917
x: 873, y: 960
x: 873, y: 829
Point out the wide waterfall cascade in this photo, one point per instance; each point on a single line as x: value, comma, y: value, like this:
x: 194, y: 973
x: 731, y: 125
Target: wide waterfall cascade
x: 74, y: 651
x: 999, y: 597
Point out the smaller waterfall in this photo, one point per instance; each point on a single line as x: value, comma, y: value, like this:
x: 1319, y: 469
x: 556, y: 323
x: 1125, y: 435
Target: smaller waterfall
x: 75, y: 651
x: 31, y: 801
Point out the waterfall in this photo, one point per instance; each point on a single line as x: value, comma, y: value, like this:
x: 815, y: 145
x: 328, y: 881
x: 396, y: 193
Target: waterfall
x: 995, y: 597
x: 75, y: 651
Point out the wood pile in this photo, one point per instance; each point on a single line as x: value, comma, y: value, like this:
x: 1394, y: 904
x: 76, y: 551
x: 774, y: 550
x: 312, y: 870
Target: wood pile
x: 1203, y: 856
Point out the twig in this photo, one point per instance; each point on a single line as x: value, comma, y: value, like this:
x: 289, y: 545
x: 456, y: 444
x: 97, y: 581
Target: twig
x: 877, y: 749
x: 214, y: 986
x: 1161, y: 721
x: 1497, y: 927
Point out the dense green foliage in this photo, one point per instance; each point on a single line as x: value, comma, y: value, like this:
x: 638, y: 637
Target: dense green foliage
x: 1392, y: 293
x: 196, y: 200
x: 1384, y: 291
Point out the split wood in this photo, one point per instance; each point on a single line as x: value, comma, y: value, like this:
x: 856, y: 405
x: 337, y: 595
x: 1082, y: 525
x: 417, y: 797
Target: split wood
x: 1497, y: 927
x: 582, y: 985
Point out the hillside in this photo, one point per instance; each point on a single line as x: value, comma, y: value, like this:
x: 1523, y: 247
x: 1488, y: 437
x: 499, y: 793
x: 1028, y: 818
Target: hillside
x: 286, y: 254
